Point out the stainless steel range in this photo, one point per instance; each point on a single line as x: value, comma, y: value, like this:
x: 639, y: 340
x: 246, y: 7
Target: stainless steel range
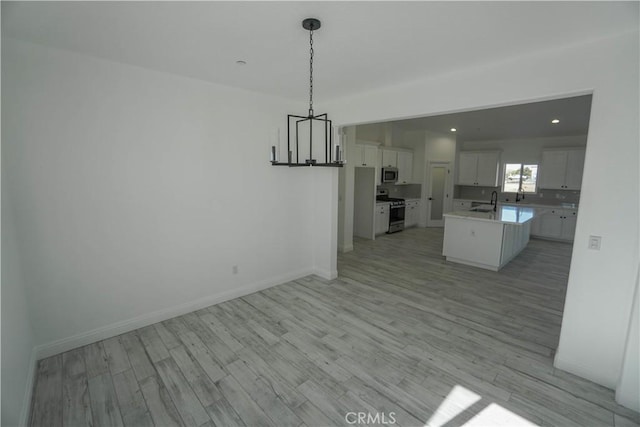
x: 396, y: 211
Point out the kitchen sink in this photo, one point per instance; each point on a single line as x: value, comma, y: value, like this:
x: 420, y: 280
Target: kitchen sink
x: 484, y: 208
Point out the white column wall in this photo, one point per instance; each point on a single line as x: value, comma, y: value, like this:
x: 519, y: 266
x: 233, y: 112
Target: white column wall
x: 628, y: 389
x: 18, y: 340
x: 600, y: 288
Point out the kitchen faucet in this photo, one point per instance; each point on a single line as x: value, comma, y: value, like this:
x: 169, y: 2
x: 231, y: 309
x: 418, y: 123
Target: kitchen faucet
x: 518, y: 194
x: 494, y: 201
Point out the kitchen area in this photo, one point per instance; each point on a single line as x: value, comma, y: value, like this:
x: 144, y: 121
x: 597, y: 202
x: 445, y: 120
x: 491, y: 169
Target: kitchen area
x: 527, y: 200
x: 387, y: 198
x: 533, y: 171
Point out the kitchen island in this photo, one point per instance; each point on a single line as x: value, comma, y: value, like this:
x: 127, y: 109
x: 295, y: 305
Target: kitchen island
x: 484, y: 238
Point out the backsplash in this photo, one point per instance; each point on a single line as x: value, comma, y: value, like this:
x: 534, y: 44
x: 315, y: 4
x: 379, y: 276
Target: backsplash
x: 543, y: 197
x: 404, y: 191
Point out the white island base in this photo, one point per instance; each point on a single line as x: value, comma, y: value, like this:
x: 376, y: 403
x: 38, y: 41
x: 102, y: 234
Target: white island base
x: 483, y: 242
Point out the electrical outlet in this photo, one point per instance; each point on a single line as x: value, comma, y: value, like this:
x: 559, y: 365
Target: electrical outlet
x: 594, y: 242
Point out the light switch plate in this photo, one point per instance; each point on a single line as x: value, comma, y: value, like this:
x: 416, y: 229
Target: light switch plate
x: 594, y: 242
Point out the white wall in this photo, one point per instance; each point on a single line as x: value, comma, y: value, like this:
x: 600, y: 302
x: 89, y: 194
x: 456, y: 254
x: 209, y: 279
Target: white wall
x: 628, y: 389
x: 600, y: 289
x: 18, y: 357
x: 136, y: 192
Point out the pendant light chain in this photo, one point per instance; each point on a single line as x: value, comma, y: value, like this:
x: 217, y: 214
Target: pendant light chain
x: 310, y: 136
x: 311, y: 72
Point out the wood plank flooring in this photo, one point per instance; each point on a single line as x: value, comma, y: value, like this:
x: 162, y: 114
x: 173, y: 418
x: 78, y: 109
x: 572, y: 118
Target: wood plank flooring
x: 401, y: 335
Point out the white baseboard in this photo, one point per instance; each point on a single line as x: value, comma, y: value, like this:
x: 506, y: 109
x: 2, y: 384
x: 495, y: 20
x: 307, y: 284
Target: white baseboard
x: 628, y: 401
x: 326, y: 274
x: 28, y: 392
x: 118, y: 328
x: 582, y: 371
x: 347, y: 248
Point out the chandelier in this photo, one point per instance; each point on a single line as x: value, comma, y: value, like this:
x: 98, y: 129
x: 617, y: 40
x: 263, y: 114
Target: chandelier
x: 310, y: 137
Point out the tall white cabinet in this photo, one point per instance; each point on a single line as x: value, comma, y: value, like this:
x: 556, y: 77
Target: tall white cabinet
x: 479, y: 168
x: 562, y: 169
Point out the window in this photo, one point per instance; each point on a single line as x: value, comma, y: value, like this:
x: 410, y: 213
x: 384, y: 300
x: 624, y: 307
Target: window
x: 520, y: 176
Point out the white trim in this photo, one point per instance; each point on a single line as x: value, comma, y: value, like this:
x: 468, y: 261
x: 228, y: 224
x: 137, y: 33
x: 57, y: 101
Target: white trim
x: 114, y: 329
x: 28, y: 392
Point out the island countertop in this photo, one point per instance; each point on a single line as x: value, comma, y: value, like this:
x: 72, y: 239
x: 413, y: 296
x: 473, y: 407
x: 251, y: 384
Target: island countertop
x: 504, y: 214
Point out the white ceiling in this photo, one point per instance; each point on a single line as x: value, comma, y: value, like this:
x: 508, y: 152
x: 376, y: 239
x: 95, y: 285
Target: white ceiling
x: 361, y: 45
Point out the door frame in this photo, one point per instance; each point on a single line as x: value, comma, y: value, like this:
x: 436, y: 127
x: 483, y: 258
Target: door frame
x: 447, y: 195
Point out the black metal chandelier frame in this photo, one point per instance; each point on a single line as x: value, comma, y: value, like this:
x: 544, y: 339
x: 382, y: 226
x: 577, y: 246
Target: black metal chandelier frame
x: 309, y: 24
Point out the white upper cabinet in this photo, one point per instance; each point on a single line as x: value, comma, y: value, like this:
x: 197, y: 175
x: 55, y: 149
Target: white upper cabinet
x: 401, y: 159
x: 488, y: 166
x: 405, y: 167
x: 575, y: 167
x: 366, y: 155
x: 467, y: 168
x: 553, y: 169
x: 478, y: 168
x: 389, y: 158
x: 562, y: 169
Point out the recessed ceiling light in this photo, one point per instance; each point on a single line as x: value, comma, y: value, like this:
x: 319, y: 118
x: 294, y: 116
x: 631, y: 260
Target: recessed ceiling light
x: 554, y: 121
x: 241, y: 62
x: 453, y: 129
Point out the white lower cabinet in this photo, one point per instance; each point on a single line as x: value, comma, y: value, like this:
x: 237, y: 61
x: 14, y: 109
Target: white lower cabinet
x: 461, y: 205
x: 382, y: 218
x: 569, y: 225
x: 557, y: 224
x: 411, y: 213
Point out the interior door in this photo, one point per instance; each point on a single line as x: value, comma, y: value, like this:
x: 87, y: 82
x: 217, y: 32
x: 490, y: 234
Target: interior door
x: 364, y: 202
x: 437, y: 198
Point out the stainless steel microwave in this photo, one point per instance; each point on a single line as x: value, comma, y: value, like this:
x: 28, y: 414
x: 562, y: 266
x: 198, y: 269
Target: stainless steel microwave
x: 389, y: 175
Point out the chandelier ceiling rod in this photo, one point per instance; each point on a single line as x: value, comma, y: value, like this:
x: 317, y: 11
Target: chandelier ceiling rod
x: 311, y: 24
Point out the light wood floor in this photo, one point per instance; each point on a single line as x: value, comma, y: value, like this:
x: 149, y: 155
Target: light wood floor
x: 397, y: 333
